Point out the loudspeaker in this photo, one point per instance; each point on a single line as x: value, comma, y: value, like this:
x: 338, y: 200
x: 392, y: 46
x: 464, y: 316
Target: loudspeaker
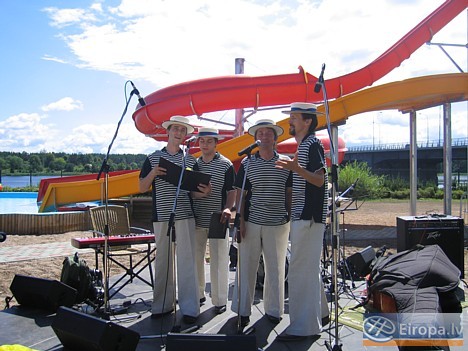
x: 82, y: 332
x: 361, y: 260
x: 443, y: 230
x: 42, y: 293
x: 210, y: 342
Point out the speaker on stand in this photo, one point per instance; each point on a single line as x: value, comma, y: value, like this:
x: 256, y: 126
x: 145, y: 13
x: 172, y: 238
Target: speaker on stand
x: 443, y: 230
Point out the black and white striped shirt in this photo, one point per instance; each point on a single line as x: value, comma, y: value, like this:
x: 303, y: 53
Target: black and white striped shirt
x: 308, y: 200
x: 222, y: 180
x: 163, y: 192
x: 265, y: 202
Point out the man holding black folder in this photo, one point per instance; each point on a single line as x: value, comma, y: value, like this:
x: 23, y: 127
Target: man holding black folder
x: 212, y: 216
x: 164, y: 192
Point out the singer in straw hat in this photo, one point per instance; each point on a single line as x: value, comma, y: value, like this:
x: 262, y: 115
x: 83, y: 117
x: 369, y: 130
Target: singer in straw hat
x: 221, y: 198
x: 163, y: 194
x: 308, y: 218
x: 264, y: 224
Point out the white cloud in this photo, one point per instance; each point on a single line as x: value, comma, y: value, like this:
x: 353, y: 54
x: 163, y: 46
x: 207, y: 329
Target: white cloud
x: 67, y: 17
x: 54, y: 59
x: 64, y: 104
x: 169, y: 42
x: 25, y: 132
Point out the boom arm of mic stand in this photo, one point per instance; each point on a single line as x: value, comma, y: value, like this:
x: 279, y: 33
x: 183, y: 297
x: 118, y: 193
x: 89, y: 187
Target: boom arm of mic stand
x: 105, y: 169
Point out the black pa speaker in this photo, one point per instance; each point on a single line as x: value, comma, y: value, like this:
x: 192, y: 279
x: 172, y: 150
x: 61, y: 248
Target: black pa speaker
x: 360, y: 261
x: 443, y: 230
x: 42, y: 293
x: 210, y: 342
x: 82, y: 332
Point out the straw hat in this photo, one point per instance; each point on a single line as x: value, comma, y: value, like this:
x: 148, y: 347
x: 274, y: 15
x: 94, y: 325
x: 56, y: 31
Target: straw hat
x: 303, y: 107
x: 265, y: 123
x: 181, y: 120
x: 209, y: 133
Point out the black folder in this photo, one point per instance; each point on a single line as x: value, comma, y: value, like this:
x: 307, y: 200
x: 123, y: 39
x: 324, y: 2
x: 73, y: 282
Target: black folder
x: 217, y: 229
x: 190, y: 179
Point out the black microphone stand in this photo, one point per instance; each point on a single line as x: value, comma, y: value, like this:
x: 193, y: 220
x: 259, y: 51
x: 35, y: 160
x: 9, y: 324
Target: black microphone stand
x: 333, y: 221
x: 105, y: 169
x: 247, y: 152
x: 172, y: 234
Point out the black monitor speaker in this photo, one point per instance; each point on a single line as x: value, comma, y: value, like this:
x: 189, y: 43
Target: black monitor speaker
x: 443, y: 230
x: 82, y: 332
x: 42, y: 293
x: 210, y: 342
x: 360, y: 261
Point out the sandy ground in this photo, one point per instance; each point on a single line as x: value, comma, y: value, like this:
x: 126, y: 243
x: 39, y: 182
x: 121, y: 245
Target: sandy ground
x: 359, y: 215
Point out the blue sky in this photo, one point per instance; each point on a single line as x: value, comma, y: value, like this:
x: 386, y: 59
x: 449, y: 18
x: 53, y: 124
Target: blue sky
x: 65, y: 63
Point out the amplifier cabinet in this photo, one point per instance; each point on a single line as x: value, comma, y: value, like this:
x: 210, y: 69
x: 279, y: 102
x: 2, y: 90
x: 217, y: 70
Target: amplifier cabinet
x: 445, y: 231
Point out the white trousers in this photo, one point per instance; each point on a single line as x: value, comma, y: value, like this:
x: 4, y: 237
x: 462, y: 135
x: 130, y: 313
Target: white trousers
x: 187, y: 277
x: 272, y: 241
x: 219, y: 265
x: 304, y: 280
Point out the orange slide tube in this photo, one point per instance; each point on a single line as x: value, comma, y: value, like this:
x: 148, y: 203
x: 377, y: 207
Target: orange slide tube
x: 240, y: 91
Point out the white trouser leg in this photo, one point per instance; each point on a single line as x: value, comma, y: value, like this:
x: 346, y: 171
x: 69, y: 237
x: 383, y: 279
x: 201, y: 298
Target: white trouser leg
x: 187, y: 278
x: 250, y: 249
x: 274, y: 245
x: 304, y: 281
x: 201, y: 238
x: 219, y: 270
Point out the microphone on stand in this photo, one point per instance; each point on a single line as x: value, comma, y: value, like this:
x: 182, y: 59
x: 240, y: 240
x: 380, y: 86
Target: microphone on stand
x: 190, y: 140
x: 249, y: 148
x: 319, y: 83
x: 135, y: 91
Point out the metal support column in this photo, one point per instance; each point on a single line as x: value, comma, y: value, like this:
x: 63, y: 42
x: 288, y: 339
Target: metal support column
x: 447, y: 159
x: 239, y: 112
x: 413, y: 163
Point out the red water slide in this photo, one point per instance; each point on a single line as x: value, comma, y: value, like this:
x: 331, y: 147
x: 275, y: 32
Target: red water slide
x: 240, y: 91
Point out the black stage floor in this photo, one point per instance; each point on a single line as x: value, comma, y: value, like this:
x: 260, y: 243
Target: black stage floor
x: 32, y: 327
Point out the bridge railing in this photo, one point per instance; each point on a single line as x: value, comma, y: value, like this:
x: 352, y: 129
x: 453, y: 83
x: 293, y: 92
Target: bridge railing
x: 457, y: 142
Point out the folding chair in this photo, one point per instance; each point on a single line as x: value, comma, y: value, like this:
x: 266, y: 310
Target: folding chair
x: 121, y: 232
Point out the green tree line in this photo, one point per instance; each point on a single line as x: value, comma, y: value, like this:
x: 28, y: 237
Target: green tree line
x: 17, y: 163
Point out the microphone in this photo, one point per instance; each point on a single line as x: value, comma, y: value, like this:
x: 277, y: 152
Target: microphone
x: 191, y: 139
x: 249, y: 148
x: 319, y: 83
x: 135, y: 91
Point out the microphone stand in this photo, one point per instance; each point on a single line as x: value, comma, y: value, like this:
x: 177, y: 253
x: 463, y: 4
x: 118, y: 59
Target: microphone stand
x: 239, y: 239
x: 334, y: 222
x: 105, y: 169
x: 172, y: 234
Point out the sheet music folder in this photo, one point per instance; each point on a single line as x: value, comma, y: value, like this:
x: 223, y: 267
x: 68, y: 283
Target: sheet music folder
x: 190, y: 179
x: 217, y: 229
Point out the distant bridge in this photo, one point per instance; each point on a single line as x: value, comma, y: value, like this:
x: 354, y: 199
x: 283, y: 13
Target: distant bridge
x: 394, y: 160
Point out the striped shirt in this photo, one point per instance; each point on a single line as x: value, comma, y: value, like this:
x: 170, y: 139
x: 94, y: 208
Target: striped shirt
x: 163, y: 192
x: 265, y: 202
x: 222, y: 180
x: 308, y: 200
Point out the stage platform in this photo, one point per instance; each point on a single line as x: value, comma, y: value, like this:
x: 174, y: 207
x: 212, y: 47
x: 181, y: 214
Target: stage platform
x: 32, y: 327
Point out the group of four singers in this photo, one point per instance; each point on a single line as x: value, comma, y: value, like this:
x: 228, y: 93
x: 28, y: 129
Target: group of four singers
x: 284, y: 199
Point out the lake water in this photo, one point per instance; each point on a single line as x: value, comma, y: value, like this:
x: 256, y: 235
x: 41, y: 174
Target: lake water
x: 22, y: 181
x: 21, y: 202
